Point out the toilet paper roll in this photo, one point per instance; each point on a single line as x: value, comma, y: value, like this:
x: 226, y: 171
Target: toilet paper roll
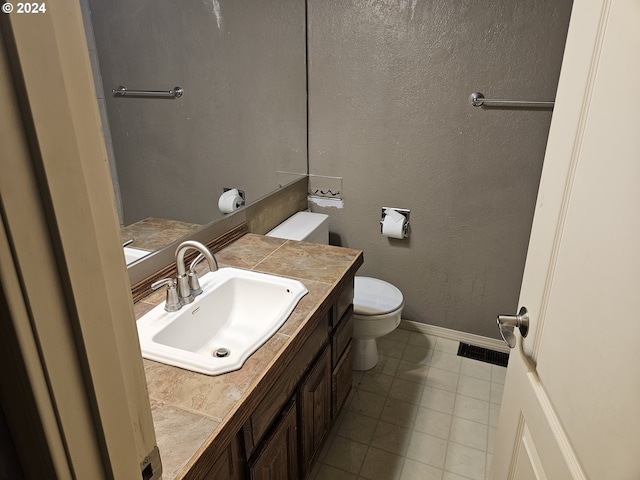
x: 230, y: 201
x: 393, y: 224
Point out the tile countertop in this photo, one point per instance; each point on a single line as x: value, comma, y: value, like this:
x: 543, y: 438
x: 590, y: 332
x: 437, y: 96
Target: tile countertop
x: 154, y: 233
x: 193, y: 412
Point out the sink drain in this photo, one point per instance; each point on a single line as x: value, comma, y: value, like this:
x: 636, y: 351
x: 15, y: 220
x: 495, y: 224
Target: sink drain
x: 221, y: 352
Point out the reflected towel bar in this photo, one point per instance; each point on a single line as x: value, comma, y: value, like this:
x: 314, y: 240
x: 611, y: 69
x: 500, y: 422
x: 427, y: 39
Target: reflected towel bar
x: 123, y: 91
x: 478, y: 100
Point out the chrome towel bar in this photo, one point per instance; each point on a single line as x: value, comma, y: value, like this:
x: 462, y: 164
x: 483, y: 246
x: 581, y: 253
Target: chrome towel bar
x: 124, y: 91
x: 477, y: 100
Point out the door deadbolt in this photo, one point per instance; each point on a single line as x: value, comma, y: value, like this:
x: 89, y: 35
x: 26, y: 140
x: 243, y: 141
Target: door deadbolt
x: 506, y: 324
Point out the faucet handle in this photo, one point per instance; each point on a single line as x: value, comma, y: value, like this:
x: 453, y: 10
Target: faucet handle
x: 196, y: 289
x: 172, y: 302
x: 195, y: 262
x: 194, y: 284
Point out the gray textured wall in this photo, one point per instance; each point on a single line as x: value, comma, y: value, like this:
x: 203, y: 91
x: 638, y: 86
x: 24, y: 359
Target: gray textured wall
x: 243, y: 114
x: 389, y: 83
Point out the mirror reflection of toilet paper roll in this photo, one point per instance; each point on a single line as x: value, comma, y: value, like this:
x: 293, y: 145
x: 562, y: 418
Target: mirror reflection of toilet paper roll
x: 230, y: 201
x: 393, y: 224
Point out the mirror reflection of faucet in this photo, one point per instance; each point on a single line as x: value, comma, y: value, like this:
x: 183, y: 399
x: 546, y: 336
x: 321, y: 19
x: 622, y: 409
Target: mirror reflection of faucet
x: 185, y: 287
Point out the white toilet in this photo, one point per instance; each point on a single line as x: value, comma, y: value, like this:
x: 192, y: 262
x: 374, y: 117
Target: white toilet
x: 377, y: 305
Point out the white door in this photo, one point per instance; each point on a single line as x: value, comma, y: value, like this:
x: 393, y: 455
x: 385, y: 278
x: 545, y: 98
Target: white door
x: 571, y: 405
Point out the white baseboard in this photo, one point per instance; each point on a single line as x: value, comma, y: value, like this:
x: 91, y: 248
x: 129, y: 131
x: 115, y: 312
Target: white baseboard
x: 470, y: 338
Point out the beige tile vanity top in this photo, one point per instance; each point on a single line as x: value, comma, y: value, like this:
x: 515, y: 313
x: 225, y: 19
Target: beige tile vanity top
x: 191, y: 410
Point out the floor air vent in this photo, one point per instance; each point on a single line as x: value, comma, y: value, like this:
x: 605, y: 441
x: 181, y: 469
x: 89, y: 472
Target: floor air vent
x: 483, y: 354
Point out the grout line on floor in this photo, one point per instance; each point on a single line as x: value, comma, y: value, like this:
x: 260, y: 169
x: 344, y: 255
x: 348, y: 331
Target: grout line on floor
x: 401, y: 344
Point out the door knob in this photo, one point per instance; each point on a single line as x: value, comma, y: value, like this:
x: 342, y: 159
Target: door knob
x: 506, y: 323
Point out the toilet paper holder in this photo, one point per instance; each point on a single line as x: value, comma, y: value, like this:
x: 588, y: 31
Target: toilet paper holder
x: 402, y: 211
x: 240, y: 192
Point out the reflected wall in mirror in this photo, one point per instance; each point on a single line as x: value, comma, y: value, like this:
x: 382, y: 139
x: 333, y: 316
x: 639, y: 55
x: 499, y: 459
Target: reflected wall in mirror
x: 242, y: 117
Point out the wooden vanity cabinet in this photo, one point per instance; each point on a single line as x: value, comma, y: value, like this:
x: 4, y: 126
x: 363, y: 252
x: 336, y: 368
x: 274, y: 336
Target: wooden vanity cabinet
x: 341, y: 381
x: 288, y: 428
x: 314, y: 399
x: 289, y: 380
x: 229, y: 464
x: 277, y: 457
x: 341, y: 358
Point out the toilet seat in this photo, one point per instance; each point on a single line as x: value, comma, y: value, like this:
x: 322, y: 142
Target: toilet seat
x: 373, y: 296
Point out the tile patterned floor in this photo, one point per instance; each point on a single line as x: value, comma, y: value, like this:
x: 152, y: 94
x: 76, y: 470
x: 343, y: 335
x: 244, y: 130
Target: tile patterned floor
x: 422, y: 413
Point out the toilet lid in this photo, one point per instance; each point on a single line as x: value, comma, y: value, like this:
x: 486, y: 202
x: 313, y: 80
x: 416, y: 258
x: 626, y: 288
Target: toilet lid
x: 375, y: 297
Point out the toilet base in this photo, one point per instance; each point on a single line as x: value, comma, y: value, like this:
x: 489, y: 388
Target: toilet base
x: 365, y: 354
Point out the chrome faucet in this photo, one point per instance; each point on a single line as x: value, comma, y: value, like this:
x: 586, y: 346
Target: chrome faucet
x: 184, y: 288
x: 188, y: 286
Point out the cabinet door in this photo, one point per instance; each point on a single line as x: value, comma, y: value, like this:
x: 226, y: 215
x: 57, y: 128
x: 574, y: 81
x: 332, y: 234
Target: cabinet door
x: 278, y: 457
x: 314, y: 398
x: 228, y: 465
x: 342, y: 380
x: 272, y: 404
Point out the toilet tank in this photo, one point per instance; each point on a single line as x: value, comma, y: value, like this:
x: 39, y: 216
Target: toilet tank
x: 304, y: 226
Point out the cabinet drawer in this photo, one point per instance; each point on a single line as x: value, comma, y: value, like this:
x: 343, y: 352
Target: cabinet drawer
x: 342, y: 336
x: 345, y: 299
x: 342, y: 381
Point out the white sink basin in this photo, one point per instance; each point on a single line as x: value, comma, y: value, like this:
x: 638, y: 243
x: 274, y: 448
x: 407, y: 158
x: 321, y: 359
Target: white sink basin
x: 133, y: 254
x: 238, y: 311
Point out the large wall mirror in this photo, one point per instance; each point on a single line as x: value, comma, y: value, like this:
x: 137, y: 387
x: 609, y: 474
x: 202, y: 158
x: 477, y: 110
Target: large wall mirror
x: 241, y: 120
